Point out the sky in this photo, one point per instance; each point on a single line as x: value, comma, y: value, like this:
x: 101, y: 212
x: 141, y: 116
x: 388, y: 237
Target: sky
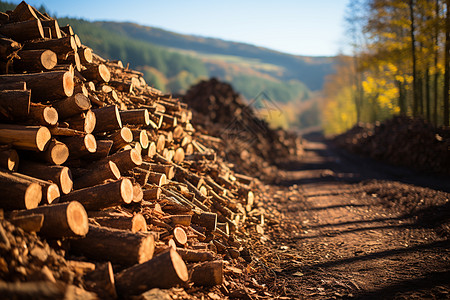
x: 301, y: 27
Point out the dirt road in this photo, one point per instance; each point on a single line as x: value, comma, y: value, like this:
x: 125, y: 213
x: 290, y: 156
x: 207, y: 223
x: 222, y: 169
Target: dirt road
x: 349, y: 229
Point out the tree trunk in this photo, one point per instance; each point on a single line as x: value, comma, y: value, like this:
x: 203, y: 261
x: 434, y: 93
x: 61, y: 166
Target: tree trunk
x: 413, y: 58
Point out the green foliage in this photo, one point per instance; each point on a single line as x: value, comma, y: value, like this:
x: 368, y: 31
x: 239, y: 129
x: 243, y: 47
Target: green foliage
x: 4, y: 6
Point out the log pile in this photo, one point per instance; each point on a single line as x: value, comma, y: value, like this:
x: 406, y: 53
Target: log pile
x: 111, y: 170
x: 402, y: 141
x: 247, y: 141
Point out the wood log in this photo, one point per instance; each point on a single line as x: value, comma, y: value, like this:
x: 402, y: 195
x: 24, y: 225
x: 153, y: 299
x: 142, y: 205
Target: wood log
x: 72, y: 105
x: 85, y: 54
x: 80, y: 145
x: 121, y: 138
x: 136, y: 223
x: 178, y: 157
x: 135, y: 117
x: 19, y: 193
x: 67, y: 30
x: 98, y: 175
x: 80, y: 267
x: 103, y: 242
x: 207, y: 220
x: 74, y: 59
x: 160, y: 143
x: 35, y: 60
x: 103, y: 149
x: 179, y: 236
x: 101, y: 281
x: 169, y: 170
x: 126, y: 160
x: 31, y: 223
x: 84, y: 122
x: 13, y: 85
x: 151, y: 150
x: 152, y: 193
x: 182, y: 220
x: 108, y: 119
x: 56, y: 153
x: 9, y: 159
x: 103, y: 195
x: 25, y: 137
x: 138, y: 194
x: 122, y: 86
x: 43, y: 290
x: 58, y: 174
x: 22, y: 12
x: 96, y: 73
x: 14, y: 104
x: 23, y: 31
x: 60, y: 46
x: 61, y: 83
x: 60, y: 220
x: 207, y: 273
x: 163, y: 271
x: 54, y: 27
x: 50, y: 191
x: 43, y: 114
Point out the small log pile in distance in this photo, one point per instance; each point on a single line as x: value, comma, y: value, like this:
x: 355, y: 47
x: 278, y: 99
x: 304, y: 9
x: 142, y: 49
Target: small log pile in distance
x: 401, y: 141
x: 246, y: 140
x: 110, y: 171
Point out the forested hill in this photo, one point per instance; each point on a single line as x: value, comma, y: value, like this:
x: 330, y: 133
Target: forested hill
x: 309, y: 70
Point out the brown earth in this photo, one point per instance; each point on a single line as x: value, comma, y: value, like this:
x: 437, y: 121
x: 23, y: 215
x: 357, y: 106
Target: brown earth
x: 350, y: 228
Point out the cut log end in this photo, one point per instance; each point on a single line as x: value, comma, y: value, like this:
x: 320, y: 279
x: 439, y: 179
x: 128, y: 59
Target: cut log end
x: 65, y: 180
x: 147, y: 249
x: 114, y: 169
x: 68, y: 84
x: 43, y: 136
x: 179, y: 265
x: 90, y: 143
x: 89, y: 121
x: 33, y: 195
x: 49, y: 59
x: 143, y: 139
x: 13, y: 160
x: 136, y: 157
x: 104, y: 73
x: 52, y: 193
x: 180, y: 235
x: 58, y: 153
x: 138, y: 223
x: 77, y: 218
x: 50, y: 115
x: 126, y: 190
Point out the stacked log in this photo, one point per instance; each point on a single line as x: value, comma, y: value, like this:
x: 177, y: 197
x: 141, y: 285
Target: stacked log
x: 125, y: 157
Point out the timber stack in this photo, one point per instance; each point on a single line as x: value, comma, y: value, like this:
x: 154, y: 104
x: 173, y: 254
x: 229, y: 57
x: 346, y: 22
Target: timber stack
x: 109, y: 170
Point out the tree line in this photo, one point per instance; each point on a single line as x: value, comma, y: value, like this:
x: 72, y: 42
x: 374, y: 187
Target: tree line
x: 400, y: 64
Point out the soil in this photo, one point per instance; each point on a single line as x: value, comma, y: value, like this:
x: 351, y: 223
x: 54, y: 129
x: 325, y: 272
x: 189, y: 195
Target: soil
x: 351, y: 227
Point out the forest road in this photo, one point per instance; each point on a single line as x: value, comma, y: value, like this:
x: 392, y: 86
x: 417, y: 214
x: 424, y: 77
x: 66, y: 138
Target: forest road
x: 350, y: 229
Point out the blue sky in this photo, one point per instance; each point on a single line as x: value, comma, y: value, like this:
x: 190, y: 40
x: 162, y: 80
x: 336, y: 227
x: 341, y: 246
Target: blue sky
x: 303, y: 27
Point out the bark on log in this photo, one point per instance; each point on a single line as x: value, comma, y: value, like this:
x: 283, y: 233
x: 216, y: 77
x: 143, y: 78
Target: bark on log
x: 60, y: 46
x: 13, y: 85
x: 95, y: 72
x: 135, y: 117
x: 103, y: 195
x: 163, y: 271
x: 103, y: 149
x: 72, y: 105
x: 50, y: 191
x: 31, y: 223
x: 19, y: 193
x: 136, y: 223
x: 101, y: 281
x: 80, y: 145
x: 98, y: 175
x: 60, y: 220
x: 35, y: 60
x: 58, y: 174
x: 119, y: 246
x: 61, y: 83
x: 25, y: 137
x: 22, y: 12
x: 152, y: 193
x: 56, y: 153
x: 108, y: 119
x: 54, y: 27
x: 9, y: 159
x: 165, y: 169
x: 85, y: 55
x: 14, y: 104
x: 126, y: 160
x: 43, y: 114
x: 23, y: 31
x: 121, y: 138
x: 207, y: 274
x: 84, y: 122
x: 205, y: 219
